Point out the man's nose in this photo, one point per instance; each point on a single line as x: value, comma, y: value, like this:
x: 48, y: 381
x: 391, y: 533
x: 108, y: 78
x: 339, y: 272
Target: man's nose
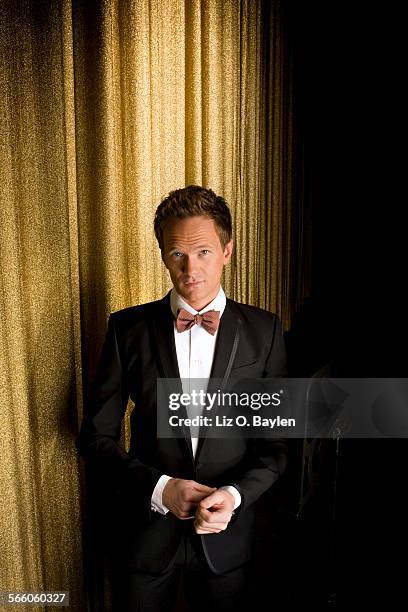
x: 189, y: 266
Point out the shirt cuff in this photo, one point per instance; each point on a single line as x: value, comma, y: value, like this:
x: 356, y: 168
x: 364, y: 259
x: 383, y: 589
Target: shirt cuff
x: 235, y: 493
x: 157, y: 496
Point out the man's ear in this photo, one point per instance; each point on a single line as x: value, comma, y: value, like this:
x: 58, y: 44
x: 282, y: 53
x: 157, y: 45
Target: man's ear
x: 228, y: 252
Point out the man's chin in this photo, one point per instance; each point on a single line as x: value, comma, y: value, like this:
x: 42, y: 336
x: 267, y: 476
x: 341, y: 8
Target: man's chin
x: 194, y: 293
x: 193, y: 286
x: 189, y: 291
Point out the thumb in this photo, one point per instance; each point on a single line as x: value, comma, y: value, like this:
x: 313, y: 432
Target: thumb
x: 212, y: 499
x: 203, y: 488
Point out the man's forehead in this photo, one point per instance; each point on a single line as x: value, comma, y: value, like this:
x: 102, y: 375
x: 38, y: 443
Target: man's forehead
x: 190, y: 229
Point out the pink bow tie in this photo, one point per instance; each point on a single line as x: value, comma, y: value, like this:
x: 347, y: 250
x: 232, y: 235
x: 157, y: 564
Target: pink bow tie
x: 209, y: 320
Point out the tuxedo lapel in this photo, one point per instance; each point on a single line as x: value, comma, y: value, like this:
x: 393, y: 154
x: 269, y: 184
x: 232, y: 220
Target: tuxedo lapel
x: 163, y: 328
x: 226, y: 344
x: 226, y: 347
x: 163, y: 341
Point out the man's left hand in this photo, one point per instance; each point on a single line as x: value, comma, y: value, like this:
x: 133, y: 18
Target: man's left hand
x: 214, y: 512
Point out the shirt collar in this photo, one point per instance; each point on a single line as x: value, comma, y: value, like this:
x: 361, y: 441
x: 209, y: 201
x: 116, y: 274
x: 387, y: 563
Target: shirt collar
x: 177, y: 302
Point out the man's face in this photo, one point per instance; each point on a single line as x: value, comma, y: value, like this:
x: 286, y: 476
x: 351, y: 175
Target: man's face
x: 193, y: 254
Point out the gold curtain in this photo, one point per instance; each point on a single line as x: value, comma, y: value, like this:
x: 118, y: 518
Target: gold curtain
x: 105, y: 107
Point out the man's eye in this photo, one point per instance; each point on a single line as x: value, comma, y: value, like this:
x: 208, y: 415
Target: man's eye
x: 178, y: 254
x: 204, y: 251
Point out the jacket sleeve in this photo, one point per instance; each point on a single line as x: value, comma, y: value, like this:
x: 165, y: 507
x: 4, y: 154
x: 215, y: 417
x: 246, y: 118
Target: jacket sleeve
x: 101, y: 427
x: 267, y: 457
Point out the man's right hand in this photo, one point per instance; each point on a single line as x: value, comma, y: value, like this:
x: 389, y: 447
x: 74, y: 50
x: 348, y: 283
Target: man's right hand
x: 182, y: 496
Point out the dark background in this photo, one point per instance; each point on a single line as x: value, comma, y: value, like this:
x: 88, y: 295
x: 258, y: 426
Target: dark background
x: 344, y: 548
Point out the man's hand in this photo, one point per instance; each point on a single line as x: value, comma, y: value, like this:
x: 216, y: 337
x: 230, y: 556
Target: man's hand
x: 182, y: 496
x: 214, y: 512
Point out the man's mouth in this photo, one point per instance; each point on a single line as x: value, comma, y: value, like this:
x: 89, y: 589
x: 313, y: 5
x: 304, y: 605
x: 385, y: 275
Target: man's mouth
x: 193, y: 283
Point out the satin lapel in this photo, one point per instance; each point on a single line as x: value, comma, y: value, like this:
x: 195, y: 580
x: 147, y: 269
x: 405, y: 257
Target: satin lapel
x: 163, y: 328
x: 226, y: 347
x: 163, y: 332
x: 224, y: 343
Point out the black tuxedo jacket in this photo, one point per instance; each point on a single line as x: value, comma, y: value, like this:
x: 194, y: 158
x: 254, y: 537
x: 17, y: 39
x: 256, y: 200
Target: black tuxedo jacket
x: 139, y: 347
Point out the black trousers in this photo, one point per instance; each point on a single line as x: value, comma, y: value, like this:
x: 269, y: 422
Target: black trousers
x: 202, y: 590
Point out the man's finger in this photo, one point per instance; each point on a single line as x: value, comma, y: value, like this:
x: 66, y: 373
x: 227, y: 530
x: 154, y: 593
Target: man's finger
x: 196, y: 496
x: 203, y: 488
x: 217, y: 500
x: 205, y: 528
x: 212, y: 500
x: 210, y: 518
x: 201, y: 531
x: 212, y: 526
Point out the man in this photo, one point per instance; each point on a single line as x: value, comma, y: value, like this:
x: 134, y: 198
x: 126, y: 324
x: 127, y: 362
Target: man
x: 185, y: 504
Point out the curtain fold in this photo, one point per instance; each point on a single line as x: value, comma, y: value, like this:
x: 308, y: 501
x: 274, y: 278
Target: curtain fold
x: 106, y: 106
x: 40, y: 518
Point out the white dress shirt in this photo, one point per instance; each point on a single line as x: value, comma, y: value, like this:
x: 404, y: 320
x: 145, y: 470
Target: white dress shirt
x: 195, y: 352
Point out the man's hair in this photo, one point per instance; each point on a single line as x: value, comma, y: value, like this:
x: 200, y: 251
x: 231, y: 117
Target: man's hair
x: 193, y: 201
